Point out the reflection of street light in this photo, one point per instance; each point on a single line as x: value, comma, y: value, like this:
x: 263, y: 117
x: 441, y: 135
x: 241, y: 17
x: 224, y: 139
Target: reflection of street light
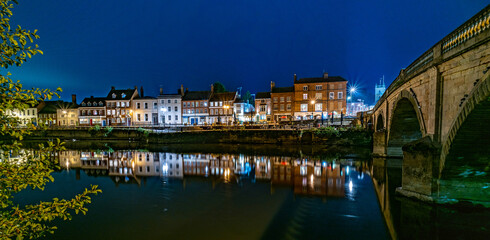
x: 130, y: 117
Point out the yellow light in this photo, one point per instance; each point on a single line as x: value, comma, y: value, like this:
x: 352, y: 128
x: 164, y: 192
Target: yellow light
x: 312, y: 101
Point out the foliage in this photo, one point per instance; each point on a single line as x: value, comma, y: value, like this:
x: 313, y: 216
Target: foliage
x: 108, y: 131
x: 219, y: 87
x: 21, y: 169
x: 326, y: 132
x: 146, y: 132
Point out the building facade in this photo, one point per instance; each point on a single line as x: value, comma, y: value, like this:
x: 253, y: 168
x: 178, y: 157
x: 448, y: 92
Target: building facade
x: 243, y: 111
x: 119, y: 110
x: 25, y: 117
x: 195, y: 107
x: 263, y: 107
x: 221, y: 108
x: 318, y: 98
x: 92, y: 111
x: 67, y: 115
x: 170, y: 108
x: 282, y: 103
x: 145, y: 111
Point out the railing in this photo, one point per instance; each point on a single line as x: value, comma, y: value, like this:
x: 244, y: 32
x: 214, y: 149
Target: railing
x: 470, y: 29
x: 477, y: 24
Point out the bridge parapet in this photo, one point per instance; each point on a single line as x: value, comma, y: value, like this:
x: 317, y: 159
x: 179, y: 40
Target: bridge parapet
x: 467, y: 36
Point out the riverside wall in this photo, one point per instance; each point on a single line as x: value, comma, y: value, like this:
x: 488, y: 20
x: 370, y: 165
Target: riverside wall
x: 343, y: 138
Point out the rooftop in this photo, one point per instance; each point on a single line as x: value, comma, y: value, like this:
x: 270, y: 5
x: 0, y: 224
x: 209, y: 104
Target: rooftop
x: 321, y: 79
x: 196, y: 95
x: 263, y: 95
x: 282, y: 89
x: 116, y: 94
x: 225, y: 96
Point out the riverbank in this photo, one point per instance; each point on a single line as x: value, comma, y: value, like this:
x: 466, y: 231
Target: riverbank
x: 324, y: 136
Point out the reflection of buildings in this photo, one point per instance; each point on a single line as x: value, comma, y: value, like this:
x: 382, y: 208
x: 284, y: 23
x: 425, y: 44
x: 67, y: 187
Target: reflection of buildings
x: 262, y: 168
x: 305, y: 176
x: 171, y: 165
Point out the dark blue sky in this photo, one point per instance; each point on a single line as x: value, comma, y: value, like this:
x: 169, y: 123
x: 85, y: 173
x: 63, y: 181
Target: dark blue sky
x: 92, y: 45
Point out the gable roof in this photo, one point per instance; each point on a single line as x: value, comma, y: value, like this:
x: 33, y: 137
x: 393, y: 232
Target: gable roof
x: 196, y: 95
x: 121, y: 94
x: 225, y: 96
x: 92, y: 100
x: 263, y: 95
x: 321, y: 79
x: 282, y: 89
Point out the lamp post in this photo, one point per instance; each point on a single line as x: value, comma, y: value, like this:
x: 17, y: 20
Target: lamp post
x: 312, y: 108
x: 352, y: 90
x: 226, y: 107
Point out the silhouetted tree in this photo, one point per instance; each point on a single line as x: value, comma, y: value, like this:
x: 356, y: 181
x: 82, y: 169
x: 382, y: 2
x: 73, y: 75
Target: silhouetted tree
x: 219, y: 87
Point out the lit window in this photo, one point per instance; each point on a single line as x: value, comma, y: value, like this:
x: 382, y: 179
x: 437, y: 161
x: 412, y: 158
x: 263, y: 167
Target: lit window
x: 318, y: 96
x: 305, y: 88
x: 305, y: 96
x: 331, y: 95
x: 340, y: 95
x: 318, y: 87
x: 304, y: 107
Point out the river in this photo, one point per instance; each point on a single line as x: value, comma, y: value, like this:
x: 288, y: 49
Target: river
x: 246, y: 192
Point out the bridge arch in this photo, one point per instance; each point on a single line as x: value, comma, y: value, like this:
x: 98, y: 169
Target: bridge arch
x: 380, y: 124
x: 406, y: 123
x: 471, y: 125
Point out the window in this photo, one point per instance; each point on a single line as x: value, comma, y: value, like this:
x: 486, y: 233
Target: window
x: 176, y: 108
x: 289, y: 107
x: 169, y: 117
x: 331, y: 95
x: 146, y: 117
x: 162, y: 101
x: 123, y: 95
x: 340, y: 95
x: 123, y: 104
x: 169, y: 101
x: 89, y: 104
x: 220, y: 104
x: 262, y: 108
x: 138, y: 105
x: 176, y: 117
x: 205, y: 104
x: 147, y: 157
x: 169, y: 109
x: 305, y: 96
x: 318, y: 96
x: 138, y: 117
x: 154, y: 105
x: 340, y: 105
x: 212, y: 111
x: 318, y: 107
x: 282, y: 107
x: 212, y: 104
x: 275, y: 99
x: 175, y: 101
x: 83, y: 104
x: 113, y: 95
x: 117, y: 104
x: 304, y: 107
x: 318, y: 87
x: 288, y: 98
x: 305, y: 88
x: 146, y: 105
x: 282, y: 99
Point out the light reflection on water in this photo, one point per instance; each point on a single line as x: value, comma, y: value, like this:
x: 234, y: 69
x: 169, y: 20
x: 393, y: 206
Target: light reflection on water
x: 197, y: 195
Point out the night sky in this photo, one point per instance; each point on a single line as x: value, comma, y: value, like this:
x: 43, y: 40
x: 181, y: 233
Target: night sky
x: 92, y: 45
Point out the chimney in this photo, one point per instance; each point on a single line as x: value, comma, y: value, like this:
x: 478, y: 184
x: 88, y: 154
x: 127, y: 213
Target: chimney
x: 74, y: 98
x: 161, y: 91
x: 182, y: 89
x: 295, y: 77
x: 186, y: 89
x: 113, y: 88
x: 212, y: 88
x: 142, y: 94
x: 325, y: 75
x: 273, y: 85
x: 136, y: 87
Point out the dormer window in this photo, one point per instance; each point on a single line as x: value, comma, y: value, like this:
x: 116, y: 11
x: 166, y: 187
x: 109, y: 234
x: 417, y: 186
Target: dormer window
x: 100, y: 104
x: 83, y: 104
x: 113, y: 95
x: 123, y: 95
x: 89, y: 104
x: 95, y: 104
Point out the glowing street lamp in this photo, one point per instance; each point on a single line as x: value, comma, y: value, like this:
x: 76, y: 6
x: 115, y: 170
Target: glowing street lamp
x: 312, y: 108
x: 352, y: 90
x: 226, y: 107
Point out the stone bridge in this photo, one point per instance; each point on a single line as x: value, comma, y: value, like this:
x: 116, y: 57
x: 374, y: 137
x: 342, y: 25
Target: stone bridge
x: 436, y: 115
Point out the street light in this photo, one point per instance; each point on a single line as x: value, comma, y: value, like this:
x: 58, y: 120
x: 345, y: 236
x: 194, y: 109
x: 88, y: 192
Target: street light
x: 226, y: 107
x: 312, y: 108
x: 352, y: 90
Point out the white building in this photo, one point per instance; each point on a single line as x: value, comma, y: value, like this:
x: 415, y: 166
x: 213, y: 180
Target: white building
x: 26, y: 116
x: 171, y: 165
x: 145, y: 111
x: 169, y: 109
x: 243, y: 111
